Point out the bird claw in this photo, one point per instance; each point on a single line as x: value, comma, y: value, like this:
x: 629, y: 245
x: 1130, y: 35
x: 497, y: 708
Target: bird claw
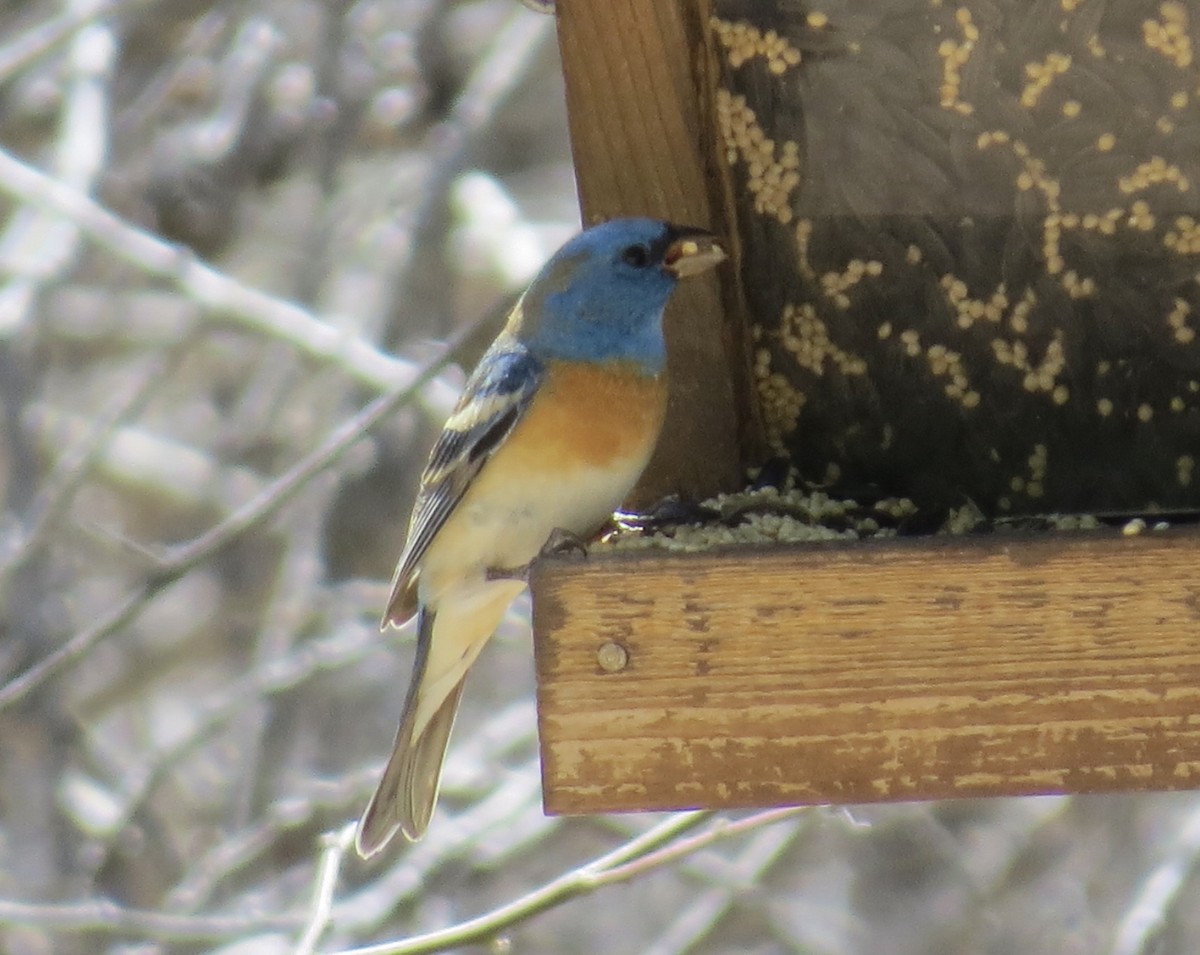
x: 669, y: 512
x: 562, y: 541
x: 508, y: 573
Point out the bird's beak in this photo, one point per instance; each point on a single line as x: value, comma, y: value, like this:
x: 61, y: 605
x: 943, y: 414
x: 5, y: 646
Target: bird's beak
x: 691, y: 251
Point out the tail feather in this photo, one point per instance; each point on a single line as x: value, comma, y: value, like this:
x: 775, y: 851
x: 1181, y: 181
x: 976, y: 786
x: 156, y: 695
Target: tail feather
x: 407, y: 793
x: 466, y: 618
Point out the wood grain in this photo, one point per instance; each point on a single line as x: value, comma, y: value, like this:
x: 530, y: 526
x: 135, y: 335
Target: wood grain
x: 635, y: 73
x: 884, y: 670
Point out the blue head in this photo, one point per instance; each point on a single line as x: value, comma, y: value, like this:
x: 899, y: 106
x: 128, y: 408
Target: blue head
x: 601, y: 296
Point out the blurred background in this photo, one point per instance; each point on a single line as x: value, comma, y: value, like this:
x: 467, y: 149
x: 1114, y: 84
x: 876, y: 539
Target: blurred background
x: 236, y: 239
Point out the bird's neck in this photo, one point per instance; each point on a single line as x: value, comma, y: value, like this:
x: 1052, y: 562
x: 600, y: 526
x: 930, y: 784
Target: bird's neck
x: 609, y: 331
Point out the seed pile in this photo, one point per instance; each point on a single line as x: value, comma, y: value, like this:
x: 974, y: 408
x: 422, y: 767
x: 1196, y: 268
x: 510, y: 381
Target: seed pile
x: 970, y: 244
x: 792, y: 513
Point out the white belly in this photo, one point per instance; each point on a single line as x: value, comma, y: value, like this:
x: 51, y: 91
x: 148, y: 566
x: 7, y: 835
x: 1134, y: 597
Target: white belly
x: 505, y: 525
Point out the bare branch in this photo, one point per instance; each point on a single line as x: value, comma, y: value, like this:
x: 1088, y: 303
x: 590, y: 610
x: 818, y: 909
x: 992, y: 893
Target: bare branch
x: 179, y: 560
x: 26, y: 48
x: 75, y: 464
x: 497, y: 76
x: 239, y: 850
x: 39, y: 246
x: 1139, y: 928
x: 336, y: 845
x: 658, y: 847
x: 227, y: 297
x: 101, y: 915
x: 517, y: 795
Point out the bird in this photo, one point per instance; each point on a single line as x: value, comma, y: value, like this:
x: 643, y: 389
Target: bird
x: 553, y: 428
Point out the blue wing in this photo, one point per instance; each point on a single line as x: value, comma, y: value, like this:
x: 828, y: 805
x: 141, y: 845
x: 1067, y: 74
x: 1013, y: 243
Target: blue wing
x: 494, y: 399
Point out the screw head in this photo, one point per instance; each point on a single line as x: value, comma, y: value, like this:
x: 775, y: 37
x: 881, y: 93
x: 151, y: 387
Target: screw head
x: 612, y: 657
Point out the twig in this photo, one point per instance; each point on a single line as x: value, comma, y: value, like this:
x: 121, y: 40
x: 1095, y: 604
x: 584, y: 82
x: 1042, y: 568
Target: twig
x: 38, y: 246
x: 336, y: 845
x: 709, y: 906
x: 659, y: 846
x: 367, y: 906
x: 178, y: 560
x: 216, y: 291
x: 511, y: 798
x: 497, y: 76
x: 102, y: 915
x: 74, y: 466
x: 117, y: 617
x: 514, y: 799
x: 216, y: 869
x: 183, y: 557
x: 1159, y: 893
x: 137, y: 459
x: 25, y: 48
x: 289, y: 607
x: 452, y: 143
x: 575, y: 882
x: 148, y: 104
x: 348, y: 642
x: 720, y: 830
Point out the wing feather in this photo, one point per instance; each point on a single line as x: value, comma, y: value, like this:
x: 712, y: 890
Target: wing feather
x: 494, y: 399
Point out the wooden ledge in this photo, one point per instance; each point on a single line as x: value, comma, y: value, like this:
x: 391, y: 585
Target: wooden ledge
x: 879, y: 670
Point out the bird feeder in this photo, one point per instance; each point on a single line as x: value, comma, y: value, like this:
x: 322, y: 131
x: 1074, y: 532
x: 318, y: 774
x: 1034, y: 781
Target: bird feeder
x: 966, y: 266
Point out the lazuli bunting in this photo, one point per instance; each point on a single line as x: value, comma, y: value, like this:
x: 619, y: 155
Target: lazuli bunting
x: 552, y: 430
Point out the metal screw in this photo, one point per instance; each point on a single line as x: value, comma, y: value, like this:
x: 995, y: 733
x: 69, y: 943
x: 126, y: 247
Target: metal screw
x: 612, y: 657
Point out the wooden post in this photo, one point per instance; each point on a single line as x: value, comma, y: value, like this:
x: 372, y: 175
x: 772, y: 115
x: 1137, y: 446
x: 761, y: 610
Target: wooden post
x: 636, y: 76
x: 880, y: 670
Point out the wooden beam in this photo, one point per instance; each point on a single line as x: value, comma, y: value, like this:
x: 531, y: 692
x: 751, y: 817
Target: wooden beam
x: 882, y: 670
x: 636, y: 73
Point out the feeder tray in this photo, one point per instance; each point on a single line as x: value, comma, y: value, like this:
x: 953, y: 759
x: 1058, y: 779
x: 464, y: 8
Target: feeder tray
x: 920, y: 668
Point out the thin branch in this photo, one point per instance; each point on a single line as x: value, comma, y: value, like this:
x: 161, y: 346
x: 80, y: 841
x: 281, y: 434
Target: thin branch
x: 267, y: 679
x: 366, y: 906
x: 26, y: 48
x: 575, y: 882
x: 216, y: 869
x: 451, y: 146
x: 38, y: 246
x: 514, y: 801
x: 182, y: 558
x: 102, y: 915
x: 179, y: 560
x: 497, y: 76
x: 709, y: 906
x: 216, y: 291
x: 336, y: 845
x: 289, y: 607
x: 720, y: 830
x: 76, y: 463
x: 658, y: 847
x: 1158, y: 895
x: 118, y: 616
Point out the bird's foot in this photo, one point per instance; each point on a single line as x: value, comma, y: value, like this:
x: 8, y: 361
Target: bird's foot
x: 667, y: 513
x: 508, y: 573
x: 563, y: 541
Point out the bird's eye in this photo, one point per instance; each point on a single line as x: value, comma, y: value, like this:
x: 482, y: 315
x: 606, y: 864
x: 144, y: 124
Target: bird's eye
x: 636, y: 255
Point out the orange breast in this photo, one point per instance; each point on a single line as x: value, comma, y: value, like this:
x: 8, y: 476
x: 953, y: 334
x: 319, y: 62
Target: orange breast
x: 593, y: 416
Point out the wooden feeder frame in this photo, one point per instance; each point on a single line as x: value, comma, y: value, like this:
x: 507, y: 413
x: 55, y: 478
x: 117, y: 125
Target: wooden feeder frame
x: 877, y: 670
